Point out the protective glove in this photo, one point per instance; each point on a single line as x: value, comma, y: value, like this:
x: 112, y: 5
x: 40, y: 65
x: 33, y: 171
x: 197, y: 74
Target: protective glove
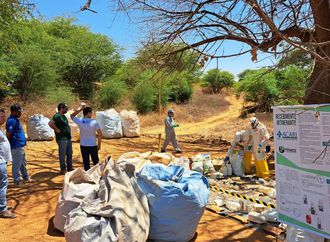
x: 267, y: 148
x: 259, y: 148
x: 227, y: 159
x: 175, y: 125
x: 249, y: 148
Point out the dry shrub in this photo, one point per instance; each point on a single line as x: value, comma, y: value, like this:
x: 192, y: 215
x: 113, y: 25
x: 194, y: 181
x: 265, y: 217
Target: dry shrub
x: 200, y: 107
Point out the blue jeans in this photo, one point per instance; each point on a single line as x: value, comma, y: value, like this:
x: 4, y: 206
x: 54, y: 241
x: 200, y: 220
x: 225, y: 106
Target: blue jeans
x: 65, y: 151
x: 19, y: 164
x: 3, y: 186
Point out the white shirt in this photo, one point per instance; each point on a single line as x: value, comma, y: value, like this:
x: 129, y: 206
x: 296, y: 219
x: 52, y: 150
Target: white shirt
x: 5, y: 152
x: 87, y: 128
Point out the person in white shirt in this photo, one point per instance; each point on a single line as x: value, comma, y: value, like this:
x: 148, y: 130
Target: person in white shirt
x: 90, y: 135
x: 5, y: 157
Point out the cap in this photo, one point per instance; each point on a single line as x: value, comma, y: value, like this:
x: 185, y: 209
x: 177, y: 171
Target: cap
x: 61, y: 105
x: 170, y: 111
x: 16, y: 107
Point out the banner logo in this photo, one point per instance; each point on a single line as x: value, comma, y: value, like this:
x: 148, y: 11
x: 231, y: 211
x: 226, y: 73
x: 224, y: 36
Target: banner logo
x: 283, y: 149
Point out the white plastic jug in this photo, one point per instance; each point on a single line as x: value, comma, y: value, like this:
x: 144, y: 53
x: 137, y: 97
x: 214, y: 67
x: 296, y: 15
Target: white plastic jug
x: 227, y: 170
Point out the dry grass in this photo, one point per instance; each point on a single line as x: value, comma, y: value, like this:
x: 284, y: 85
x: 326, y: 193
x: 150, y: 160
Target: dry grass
x: 201, y: 106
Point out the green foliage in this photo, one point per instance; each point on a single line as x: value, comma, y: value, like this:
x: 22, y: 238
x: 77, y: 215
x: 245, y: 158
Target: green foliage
x: 55, y: 53
x: 35, y: 73
x: 144, y: 97
x: 266, y: 87
x: 217, y: 80
x: 259, y: 86
x: 59, y: 94
x: 180, y: 87
x: 111, y: 93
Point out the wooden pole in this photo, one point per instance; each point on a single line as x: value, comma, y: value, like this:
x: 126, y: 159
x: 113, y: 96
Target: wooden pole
x: 159, y: 142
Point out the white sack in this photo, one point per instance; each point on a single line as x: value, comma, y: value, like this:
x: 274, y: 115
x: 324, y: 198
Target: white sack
x: 110, y: 124
x: 130, y: 123
x: 38, y: 128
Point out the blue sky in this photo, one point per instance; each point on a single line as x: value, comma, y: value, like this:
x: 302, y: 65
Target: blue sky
x: 125, y: 32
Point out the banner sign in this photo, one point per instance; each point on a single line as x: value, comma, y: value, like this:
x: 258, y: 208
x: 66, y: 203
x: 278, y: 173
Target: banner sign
x: 302, y: 156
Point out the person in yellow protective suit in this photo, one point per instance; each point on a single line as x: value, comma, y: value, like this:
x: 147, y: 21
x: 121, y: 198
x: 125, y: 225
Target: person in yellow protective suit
x: 242, y: 138
x: 260, y: 139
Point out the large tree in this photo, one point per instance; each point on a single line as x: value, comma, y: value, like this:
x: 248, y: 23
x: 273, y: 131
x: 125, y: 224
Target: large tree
x: 272, y: 26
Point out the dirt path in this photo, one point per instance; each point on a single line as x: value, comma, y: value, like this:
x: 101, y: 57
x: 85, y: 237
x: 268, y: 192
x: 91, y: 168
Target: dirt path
x: 35, y: 203
x: 208, y: 125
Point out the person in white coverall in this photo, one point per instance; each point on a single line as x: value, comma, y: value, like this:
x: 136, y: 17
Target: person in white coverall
x: 170, y: 135
x: 242, y: 138
x: 260, y: 139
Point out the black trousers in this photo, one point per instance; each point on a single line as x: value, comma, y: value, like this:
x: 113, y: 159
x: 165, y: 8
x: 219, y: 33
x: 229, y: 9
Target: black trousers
x: 87, y: 151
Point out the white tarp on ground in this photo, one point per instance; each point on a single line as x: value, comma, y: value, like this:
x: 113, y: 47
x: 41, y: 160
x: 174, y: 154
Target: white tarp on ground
x: 130, y: 123
x: 106, y: 213
x: 110, y: 124
x: 38, y: 128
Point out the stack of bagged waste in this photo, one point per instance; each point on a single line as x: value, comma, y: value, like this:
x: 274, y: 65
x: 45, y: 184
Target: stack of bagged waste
x: 110, y: 123
x: 97, y: 205
x: 130, y: 123
x: 202, y: 163
x: 169, y: 200
x: 177, y: 199
x: 38, y: 128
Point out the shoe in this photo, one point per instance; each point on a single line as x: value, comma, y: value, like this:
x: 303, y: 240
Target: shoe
x: 63, y: 172
x: 27, y: 180
x: 178, y: 151
x: 18, y: 183
x: 163, y: 151
x: 7, y: 214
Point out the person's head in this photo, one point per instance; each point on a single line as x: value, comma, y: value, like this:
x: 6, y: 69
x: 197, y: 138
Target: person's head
x: 239, y: 135
x: 62, y: 108
x: 87, y: 111
x: 2, y: 116
x: 170, y: 112
x: 254, y: 122
x: 16, y: 110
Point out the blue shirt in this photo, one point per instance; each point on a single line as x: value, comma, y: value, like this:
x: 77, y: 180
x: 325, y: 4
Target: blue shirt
x: 17, y: 138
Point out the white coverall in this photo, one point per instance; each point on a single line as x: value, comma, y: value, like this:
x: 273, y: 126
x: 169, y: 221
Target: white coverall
x: 170, y: 135
x: 260, y: 139
x: 243, y: 138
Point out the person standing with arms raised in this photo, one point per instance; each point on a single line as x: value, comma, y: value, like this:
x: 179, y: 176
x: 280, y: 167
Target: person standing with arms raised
x: 90, y: 135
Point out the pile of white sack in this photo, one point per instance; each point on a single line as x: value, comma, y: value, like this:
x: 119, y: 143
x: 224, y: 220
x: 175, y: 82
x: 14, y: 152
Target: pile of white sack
x: 117, y: 125
x: 132, y: 199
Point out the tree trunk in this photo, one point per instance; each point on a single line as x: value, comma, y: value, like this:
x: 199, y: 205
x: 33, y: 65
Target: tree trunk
x: 318, y: 90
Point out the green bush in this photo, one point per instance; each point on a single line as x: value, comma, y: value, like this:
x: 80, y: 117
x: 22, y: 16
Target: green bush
x: 35, y: 73
x: 60, y: 94
x: 144, y: 97
x: 217, y: 80
x: 111, y: 93
x: 181, y: 88
x: 260, y: 87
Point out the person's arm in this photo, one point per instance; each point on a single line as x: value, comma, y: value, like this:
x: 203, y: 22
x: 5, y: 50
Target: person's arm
x: 99, y: 139
x: 51, y: 124
x: 11, y: 126
x: 75, y: 113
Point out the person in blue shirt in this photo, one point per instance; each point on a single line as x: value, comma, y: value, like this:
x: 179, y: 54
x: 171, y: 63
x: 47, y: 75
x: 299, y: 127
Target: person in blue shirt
x: 17, y: 140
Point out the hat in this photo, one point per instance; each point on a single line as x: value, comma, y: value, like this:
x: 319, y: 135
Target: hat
x: 170, y: 111
x: 15, y: 107
x: 61, y: 105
